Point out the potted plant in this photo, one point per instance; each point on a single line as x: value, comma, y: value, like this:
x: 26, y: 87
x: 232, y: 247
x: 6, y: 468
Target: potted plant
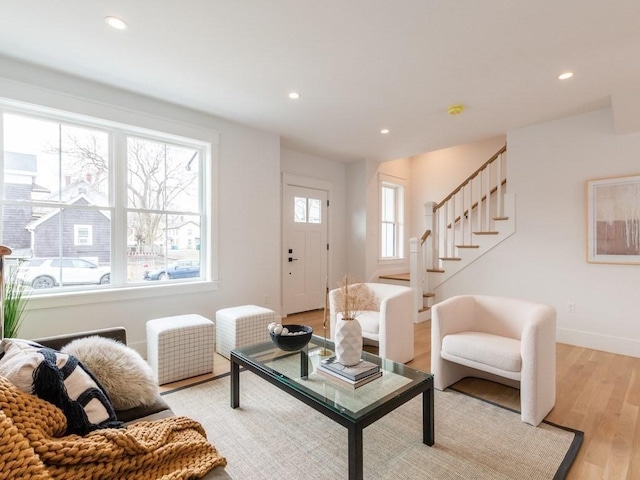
x: 14, y: 303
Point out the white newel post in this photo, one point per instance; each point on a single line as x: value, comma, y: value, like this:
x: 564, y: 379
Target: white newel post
x: 416, y: 275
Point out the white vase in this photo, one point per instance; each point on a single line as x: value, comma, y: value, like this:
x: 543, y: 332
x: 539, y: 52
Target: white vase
x: 348, y: 340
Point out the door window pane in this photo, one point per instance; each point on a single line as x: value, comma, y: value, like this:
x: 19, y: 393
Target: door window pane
x: 307, y: 210
x: 300, y: 210
x: 315, y: 209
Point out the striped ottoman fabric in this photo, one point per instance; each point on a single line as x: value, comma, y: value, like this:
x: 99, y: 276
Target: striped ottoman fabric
x: 241, y: 326
x: 180, y: 347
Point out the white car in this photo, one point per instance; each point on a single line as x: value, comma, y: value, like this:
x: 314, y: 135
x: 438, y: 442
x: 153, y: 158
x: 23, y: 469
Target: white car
x: 49, y: 272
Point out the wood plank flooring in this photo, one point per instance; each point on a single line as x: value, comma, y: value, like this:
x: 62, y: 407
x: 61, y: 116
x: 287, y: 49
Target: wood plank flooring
x: 597, y: 393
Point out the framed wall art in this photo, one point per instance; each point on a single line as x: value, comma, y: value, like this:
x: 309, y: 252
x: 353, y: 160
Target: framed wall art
x: 613, y: 220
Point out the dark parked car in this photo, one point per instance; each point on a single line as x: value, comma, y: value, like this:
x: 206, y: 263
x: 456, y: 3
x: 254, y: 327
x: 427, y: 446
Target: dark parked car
x: 181, y: 269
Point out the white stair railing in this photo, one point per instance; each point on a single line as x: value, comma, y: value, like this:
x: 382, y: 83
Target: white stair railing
x: 451, y: 224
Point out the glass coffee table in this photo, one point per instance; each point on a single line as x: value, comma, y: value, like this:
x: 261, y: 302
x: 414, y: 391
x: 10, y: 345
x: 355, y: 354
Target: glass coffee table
x: 295, y: 373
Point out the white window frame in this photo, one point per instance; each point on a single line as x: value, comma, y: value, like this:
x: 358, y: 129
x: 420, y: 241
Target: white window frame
x: 398, y: 186
x: 137, y: 124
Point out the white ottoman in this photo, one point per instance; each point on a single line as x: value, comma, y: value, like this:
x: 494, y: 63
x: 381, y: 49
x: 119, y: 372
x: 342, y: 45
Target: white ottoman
x: 241, y: 326
x: 180, y: 347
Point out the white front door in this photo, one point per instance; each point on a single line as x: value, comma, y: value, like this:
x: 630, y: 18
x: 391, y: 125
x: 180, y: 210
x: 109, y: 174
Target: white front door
x: 305, y: 248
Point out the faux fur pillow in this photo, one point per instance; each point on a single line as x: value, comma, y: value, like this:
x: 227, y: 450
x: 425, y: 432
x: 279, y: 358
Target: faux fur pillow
x: 124, y: 374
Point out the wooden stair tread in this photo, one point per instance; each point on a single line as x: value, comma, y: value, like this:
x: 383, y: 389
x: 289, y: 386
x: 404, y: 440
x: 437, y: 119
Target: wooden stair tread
x: 396, y: 276
x: 428, y: 295
x: 467, y: 246
x: 435, y: 270
x: 486, y: 233
x: 501, y: 218
x: 424, y: 309
x: 451, y: 259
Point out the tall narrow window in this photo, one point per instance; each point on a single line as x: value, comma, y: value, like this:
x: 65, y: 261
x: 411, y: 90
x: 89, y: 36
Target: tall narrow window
x: 391, y: 197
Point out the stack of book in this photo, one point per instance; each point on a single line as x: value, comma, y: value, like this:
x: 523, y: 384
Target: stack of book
x: 356, y: 375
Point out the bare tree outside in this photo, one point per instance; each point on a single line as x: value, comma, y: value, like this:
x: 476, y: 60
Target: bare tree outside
x: 60, y: 178
x: 161, y: 177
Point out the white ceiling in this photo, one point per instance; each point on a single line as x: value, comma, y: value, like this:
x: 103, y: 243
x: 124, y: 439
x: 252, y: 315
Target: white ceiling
x: 360, y: 65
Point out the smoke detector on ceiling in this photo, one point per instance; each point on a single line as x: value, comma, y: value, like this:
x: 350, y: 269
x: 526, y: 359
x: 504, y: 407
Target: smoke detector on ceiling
x: 455, y: 109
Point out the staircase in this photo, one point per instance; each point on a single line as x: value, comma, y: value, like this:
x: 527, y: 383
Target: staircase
x: 474, y: 218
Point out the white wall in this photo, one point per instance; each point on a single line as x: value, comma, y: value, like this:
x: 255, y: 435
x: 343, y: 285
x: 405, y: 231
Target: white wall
x: 249, y: 207
x: 302, y: 164
x: 545, y: 260
x: 356, y: 196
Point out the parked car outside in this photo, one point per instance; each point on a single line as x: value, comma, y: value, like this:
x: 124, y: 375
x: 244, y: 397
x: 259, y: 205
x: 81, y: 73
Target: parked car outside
x: 50, y: 272
x: 180, y: 269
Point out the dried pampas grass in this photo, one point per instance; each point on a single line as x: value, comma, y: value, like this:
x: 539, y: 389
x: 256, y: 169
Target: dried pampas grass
x: 354, y: 299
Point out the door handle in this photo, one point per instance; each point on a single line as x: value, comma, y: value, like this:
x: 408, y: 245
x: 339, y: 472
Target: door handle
x: 291, y: 259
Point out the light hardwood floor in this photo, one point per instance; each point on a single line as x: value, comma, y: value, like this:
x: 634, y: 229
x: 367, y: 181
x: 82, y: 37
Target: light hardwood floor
x: 597, y: 393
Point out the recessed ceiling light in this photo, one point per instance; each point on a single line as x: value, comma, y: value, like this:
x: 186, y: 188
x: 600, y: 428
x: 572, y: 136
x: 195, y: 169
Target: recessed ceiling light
x: 116, y: 23
x: 384, y: 131
x: 565, y: 75
x: 294, y: 95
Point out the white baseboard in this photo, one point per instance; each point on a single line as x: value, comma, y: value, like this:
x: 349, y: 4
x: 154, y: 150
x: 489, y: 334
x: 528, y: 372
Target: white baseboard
x: 607, y: 343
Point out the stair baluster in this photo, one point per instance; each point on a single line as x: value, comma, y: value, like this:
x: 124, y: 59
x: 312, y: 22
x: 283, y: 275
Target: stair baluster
x: 444, y: 224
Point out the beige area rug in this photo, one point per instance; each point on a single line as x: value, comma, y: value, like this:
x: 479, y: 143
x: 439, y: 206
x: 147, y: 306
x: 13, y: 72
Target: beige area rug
x: 274, y: 436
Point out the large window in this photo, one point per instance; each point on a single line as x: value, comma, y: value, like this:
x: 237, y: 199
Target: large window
x: 127, y: 202
x: 391, y: 214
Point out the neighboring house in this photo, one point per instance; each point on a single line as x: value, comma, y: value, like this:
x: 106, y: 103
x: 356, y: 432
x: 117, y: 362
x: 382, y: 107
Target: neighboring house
x: 32, y: 231
x: 20, y: 173
x: 86, y: 233
x: 184, y: 236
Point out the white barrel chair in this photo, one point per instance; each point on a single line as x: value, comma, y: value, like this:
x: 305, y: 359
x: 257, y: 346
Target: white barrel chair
x: 507, y: 340
x: 390, y: 328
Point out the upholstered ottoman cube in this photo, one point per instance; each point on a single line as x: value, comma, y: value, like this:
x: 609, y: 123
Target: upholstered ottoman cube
x: 180, y: 347
x: 241, y: 326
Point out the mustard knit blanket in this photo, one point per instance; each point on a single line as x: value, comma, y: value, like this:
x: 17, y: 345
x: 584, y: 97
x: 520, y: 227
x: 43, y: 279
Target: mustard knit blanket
x: 32, y: 445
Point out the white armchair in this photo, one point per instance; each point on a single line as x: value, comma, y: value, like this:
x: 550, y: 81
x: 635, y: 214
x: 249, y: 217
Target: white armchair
x: 506, y: 340
x: 390, y: 328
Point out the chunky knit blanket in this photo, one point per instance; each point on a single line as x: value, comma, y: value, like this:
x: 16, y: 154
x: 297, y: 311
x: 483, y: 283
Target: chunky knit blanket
x: 33, y: 445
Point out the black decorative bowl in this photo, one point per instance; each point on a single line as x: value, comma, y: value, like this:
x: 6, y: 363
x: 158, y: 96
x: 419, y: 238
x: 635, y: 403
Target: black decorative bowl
x: 291, y: 343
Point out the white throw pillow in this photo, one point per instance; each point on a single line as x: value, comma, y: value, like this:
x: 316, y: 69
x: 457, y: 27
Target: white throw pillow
x: 124, y: 374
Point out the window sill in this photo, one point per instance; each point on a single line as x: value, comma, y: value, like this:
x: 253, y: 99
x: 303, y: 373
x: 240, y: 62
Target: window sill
x: 108, y: 295
x: 391, y: 261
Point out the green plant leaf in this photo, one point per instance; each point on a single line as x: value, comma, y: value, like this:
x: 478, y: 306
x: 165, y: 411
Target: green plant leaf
x: 15, y: 301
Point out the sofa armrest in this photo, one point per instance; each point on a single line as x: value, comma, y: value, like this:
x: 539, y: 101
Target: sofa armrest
x: 58, y: 341
x: 396, y: 322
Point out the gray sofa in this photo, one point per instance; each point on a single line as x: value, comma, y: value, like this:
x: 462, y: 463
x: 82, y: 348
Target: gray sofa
x: 158, y: 410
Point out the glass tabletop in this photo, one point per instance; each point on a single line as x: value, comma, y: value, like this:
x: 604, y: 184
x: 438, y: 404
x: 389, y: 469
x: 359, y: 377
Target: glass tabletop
x: 288, y: 368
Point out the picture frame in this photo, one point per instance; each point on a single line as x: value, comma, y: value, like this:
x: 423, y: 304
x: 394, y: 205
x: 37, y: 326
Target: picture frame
x: 613, y: 220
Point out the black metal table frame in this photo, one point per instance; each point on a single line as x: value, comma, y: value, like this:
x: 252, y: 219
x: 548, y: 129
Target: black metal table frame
x: 354, y: 428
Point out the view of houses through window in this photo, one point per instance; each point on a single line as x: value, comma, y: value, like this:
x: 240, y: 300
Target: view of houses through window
x: 85, y: 204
